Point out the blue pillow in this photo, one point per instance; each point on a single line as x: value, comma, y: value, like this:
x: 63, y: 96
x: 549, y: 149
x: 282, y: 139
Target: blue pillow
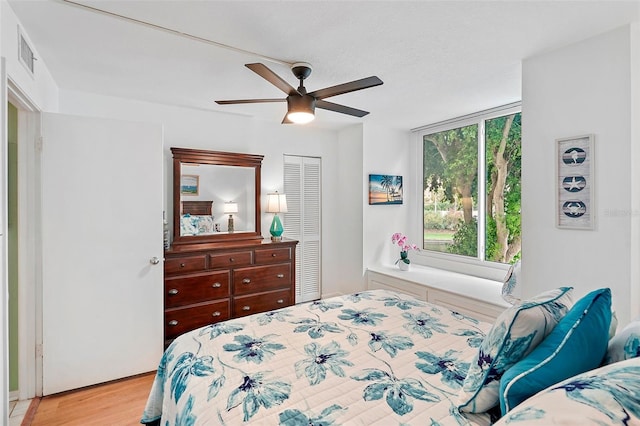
x: 577, y: 344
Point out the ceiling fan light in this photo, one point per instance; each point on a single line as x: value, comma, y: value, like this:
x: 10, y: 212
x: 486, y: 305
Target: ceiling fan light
x: 300, y: 117
x: 301, y: 109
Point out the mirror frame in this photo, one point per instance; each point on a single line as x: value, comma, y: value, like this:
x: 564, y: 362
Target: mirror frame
x: 199, y: 156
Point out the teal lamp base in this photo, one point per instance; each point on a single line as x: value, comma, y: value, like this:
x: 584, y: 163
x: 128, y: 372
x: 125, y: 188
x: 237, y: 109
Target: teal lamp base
x: 276, y: 229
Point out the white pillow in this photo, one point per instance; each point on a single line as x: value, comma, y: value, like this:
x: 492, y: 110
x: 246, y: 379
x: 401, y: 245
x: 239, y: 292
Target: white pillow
x: 625, y: 344
x: 516, y: 332
x: 510, y: 283
x: 605, y: 396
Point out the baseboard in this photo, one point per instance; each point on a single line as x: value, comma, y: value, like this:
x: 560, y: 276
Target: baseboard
x: 328, y: 295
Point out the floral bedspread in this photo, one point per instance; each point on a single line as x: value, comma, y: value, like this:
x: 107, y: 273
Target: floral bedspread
x: 371, y: 358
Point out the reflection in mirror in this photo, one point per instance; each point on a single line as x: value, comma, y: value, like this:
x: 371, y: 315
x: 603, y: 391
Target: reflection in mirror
x: 218, y: 185
x: 205, y: 184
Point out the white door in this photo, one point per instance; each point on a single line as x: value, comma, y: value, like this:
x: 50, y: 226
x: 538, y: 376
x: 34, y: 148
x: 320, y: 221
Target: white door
x: 101, y: 185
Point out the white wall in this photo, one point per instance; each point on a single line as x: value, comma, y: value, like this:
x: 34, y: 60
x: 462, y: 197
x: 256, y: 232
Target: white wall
x: 37, y: 91
x: 40, y: 89
x: 581, y: 89
x: 190, y: 128
x: 346, y: 253
x: 634, y: 298
x: 388, y: 152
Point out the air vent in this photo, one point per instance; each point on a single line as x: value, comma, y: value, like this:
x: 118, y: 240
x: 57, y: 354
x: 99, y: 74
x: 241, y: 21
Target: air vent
x: 25, y: 53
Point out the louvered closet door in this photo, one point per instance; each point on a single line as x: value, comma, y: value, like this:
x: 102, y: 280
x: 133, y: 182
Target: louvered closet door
x: 302, y: 184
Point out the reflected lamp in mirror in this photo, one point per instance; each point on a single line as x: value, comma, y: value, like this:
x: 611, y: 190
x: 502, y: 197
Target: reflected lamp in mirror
x: 230, y: 208
x: 276, y: 203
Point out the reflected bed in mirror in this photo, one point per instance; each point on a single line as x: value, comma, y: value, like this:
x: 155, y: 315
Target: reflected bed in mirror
x: 206, y: 183
x: 196, y: 218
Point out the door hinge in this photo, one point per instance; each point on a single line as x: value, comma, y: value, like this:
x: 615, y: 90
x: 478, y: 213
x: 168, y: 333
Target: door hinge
x: 39, y: 142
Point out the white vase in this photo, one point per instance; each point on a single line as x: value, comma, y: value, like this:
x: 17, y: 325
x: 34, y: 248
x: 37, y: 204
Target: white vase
x: 403, y: 266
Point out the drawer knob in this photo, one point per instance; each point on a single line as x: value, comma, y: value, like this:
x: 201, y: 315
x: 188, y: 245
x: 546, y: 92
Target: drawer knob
x: 216, y: 314
x: 173, y: 291
x: 280, y: 275
x: 173, y: 323
x: 246, y: 308
x: 280, y: 301
x: 273, y: 255
x: 246, y: 281
x: 182, y: 265
x: 216, y: 285
x: 231, y: 259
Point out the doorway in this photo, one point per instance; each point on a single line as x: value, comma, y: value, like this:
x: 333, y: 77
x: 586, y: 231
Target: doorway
x: 23, y: 268
x: 12, y: 246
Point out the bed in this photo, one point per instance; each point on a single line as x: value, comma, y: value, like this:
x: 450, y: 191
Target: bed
x: 384, y: 358
x: 375, y: 357
x: 196, y: 218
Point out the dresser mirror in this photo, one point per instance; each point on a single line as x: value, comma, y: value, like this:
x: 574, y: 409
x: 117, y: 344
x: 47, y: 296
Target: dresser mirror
x: 216, y: 196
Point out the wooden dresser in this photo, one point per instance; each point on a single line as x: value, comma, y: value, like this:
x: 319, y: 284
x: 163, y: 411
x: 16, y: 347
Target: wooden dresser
x: 209, y: 283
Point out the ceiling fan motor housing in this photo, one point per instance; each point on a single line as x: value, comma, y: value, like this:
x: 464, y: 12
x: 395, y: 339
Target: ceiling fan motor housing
x: 304, y: 103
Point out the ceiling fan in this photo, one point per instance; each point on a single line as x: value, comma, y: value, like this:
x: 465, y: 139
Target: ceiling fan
x: 300, y: 104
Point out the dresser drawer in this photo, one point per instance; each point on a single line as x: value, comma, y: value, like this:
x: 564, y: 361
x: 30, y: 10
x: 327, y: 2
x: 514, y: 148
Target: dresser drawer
x: 194, y: 288
x: 261, y: 278
x: 181, y: 320
x: 247, y: 305
x: 273, y: 255
x: 232, y: 259
x: 178, y: 265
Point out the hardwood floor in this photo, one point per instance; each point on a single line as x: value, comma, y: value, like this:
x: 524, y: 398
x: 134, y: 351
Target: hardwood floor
x: 116, y: 403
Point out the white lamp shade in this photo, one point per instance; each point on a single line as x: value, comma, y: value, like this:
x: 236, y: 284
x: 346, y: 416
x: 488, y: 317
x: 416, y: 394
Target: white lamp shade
x: 276, y: 203
x: 230, y: 207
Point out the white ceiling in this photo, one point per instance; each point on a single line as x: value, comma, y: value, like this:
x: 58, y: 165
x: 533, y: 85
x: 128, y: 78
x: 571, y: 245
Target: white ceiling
x: 438, y: 59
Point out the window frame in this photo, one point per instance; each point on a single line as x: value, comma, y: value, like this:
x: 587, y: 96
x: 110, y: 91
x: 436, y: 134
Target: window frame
x: 477, y: 266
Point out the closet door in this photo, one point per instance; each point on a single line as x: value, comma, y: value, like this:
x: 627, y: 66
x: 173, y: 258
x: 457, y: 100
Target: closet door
x: 101, y: 212
x: 303, y: 187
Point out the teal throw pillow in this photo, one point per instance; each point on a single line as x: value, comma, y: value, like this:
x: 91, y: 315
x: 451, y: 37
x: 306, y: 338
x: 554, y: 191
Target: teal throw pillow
x: 577, y: 344
x: 516, y: 332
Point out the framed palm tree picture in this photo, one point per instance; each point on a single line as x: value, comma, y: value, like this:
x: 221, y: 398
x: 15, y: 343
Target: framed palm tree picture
x: 385, y: 189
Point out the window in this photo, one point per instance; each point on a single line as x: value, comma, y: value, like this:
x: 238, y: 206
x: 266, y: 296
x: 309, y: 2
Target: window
x: 471, y: 186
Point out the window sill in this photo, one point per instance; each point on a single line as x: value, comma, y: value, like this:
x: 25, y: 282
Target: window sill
x: 467, y: 286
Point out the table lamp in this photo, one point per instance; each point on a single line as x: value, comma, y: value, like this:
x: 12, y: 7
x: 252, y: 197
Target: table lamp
x: 230, y: 208
x: 276, y: 203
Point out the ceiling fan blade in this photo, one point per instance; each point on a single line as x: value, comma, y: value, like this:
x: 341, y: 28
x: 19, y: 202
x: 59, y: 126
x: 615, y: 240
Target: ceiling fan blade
x: 249, y: 101
x: 352, y: 86
x: 286, y: 120
x: 340, y: 108
x: 272, y: 78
